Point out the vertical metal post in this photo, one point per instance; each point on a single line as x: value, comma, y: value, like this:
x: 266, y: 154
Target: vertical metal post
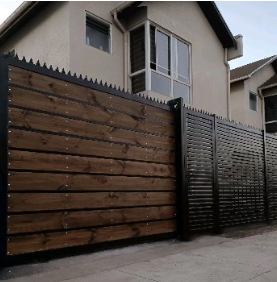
x: 181, y: 169
x: 266, y: 193
x: 4, y: 80
x: 215, y: 178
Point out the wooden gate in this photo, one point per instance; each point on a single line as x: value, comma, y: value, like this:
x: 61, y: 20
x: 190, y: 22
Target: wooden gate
x: 86, y: 163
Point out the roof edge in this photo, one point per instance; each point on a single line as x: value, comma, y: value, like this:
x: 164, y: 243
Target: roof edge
x: 248, y: 76
x: 240, y: 78
x: 209, y: 9
x: 16, y: 14
x: 265, y: 64
x: 268, y: 86
x: 217, y: 22
x: 17, y: 19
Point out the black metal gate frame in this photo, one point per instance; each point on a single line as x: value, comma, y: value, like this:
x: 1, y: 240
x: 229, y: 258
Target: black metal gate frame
x: 4, y: 80
x: 7, y: 60
x: 176, y: 106
x: 183, y: 214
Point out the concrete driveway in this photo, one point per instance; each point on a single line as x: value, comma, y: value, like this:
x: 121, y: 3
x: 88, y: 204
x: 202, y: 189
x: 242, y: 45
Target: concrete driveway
x: 205, y: 259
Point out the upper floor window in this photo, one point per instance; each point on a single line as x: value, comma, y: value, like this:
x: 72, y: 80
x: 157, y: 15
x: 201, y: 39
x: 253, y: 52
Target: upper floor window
x: 98, y: 34
x: 253, y: 101
x: 164, y: 62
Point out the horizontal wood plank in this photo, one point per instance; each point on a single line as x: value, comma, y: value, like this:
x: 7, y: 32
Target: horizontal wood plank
x: 30, y: 202
x: 28, y: 181
x: 41, y: 222
x: 33, y: 120
x: 21, y: 139
x: 57, y: 240
x: 34, y: 100
x: 25, y: 160
x: 49, y: 84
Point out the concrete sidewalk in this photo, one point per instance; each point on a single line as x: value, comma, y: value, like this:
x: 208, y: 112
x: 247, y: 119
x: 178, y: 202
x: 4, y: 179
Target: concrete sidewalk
x: 205, y: 259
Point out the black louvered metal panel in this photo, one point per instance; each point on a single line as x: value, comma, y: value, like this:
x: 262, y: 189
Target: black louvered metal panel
x: 138, y: 83
x: 200, y: 172
x: 137, y: 49
x: 240, y: 175
x: 271, y: 142
x: 153, y: 47
x: 97, y: 25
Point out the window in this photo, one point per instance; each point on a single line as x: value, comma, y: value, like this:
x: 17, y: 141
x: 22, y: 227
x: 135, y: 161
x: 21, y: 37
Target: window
x: 98, y: 34
x: 253, y: 101
x: 270, y: 106
x: 164, y: 62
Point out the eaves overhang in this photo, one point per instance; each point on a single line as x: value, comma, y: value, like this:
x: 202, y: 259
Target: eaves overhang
x: 29, y: 8
x: 20, y: 17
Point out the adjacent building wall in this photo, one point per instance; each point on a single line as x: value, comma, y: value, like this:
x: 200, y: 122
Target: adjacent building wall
x: 240, y: 110
x: 45, y: 37
x: 238, y: 102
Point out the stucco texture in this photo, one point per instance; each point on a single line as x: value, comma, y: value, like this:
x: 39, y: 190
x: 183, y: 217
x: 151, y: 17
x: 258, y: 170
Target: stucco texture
x: 57, y: 36
x: 86, y: 59
x: 45, y: 37
x: 209, y: 73
x: 240, y: 110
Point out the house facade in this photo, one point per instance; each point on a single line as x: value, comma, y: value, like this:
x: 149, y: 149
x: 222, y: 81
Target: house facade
x: 254, y: 94
x: 162, y: 49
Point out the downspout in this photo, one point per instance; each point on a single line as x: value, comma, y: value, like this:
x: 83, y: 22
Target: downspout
x: 228, y: 83
x: 263, y: 108
x: 125, y: 49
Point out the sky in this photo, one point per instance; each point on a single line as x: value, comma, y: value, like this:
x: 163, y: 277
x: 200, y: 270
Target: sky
x: 256, y: 21
x: 6, y: 8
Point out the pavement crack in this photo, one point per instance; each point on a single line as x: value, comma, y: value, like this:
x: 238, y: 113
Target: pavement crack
x: 136, y: 275
x: 229, y: 261
x: 260, y: 274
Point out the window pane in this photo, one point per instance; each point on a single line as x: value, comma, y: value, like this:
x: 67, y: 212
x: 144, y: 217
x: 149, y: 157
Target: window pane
x: 253, y: 101
x: 181, y: 90
x: 137, y: 49
x: 160, y: 84
x: 270, y: 108
x: 138, y: 83
x: 163, y: 52
x: 183, y: 61
x: 98, y: 34
x: 174, y: 58
x: 271, y: 127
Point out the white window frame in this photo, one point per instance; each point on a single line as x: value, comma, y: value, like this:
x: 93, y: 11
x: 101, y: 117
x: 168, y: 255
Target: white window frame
x: 87, y: 13
x: 148, y: 69
x: 251, y: 92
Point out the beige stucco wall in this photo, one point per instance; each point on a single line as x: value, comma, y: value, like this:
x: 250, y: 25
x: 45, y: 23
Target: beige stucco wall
x: 240, y: 110
x: 45, y: 37
x: 209, y: 73
x: 88, y: 60
x: 59, y: 39
x: 238, y: 102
